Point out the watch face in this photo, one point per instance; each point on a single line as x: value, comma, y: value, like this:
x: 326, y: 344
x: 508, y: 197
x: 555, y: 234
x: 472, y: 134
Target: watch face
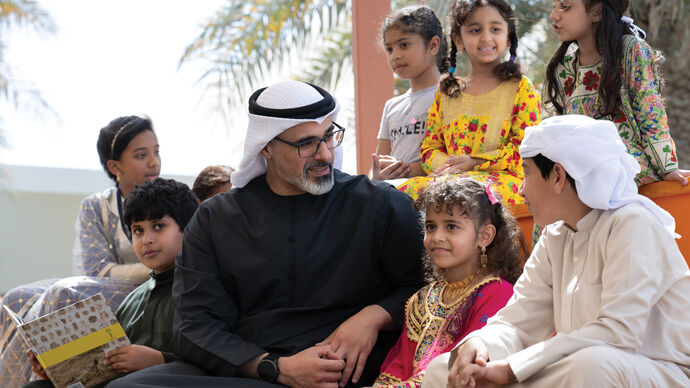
x: 268, y: 370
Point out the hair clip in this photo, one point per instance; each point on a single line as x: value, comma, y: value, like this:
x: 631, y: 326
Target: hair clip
x: 489, y: 194
x: 451, y: 70
x: 512, y: 58
x: 635, y: 29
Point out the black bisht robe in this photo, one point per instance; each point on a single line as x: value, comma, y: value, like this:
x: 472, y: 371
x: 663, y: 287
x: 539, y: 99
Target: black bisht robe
x: 259, y: 272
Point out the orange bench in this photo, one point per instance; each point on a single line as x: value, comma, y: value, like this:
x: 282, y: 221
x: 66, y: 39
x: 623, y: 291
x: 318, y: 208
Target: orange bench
x: 669, y: 195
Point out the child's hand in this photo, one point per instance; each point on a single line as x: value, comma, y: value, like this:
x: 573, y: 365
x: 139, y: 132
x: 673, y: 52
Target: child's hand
x: 132, y: 358
x: 678, y: 175
x: 456, y: 165
x: 386, y: 160
x: 385, y: 167
x: 35, y: 365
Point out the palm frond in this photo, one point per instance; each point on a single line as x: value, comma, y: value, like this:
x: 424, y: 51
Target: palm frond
x: 5, y: 77
x: 329, y: 59
x: 23, y: 13
x: 244, y: 42
x: 21, y: 94
x: 19, y: 13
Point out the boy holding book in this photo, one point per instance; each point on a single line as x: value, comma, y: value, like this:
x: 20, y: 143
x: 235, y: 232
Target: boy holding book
x: 156, y: 214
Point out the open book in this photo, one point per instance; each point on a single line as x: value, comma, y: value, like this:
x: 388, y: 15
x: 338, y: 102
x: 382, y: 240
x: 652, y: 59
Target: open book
x: 71, y: 343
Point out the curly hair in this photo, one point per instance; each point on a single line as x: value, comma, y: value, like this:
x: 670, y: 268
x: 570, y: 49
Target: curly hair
x: 608, y: 39
x: 420, y: 20
x: 470, y: 197
x: 458, y: 13
x: 211, y: 179
x: 155, y: 199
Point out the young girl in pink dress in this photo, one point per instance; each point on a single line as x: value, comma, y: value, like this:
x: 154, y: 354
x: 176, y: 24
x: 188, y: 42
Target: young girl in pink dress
x: 472, y: 260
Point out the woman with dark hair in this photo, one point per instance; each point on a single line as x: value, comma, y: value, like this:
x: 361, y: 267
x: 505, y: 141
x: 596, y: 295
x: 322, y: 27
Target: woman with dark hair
x: 102, y: 255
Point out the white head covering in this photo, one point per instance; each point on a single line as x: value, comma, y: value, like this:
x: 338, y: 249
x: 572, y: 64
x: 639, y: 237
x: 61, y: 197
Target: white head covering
x: 274, y: 109
x: 592, y: 152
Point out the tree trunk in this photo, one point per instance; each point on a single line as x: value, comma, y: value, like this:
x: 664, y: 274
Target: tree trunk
x: 677, y: 89
x: 672, y: 38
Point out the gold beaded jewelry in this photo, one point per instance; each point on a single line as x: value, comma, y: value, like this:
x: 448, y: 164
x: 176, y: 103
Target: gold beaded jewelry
x: 483, y: 258
x: 451, y: 291
x: 460, y: 283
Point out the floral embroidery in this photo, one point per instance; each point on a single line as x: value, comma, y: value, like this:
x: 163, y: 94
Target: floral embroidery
x: 591, y: 80
x: 569, y: 86
x: 619, y: 117
x: 433, y: 327
x: 467, y: 135
x: 642, y: 122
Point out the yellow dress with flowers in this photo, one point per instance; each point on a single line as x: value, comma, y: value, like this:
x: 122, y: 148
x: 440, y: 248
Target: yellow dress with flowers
x: 489, y: 127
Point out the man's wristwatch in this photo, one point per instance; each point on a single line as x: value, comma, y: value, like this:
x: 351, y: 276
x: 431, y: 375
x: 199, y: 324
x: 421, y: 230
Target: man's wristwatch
x: 268, y: 368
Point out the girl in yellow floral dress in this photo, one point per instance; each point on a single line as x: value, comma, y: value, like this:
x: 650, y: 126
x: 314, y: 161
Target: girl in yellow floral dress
x: 476, y: 124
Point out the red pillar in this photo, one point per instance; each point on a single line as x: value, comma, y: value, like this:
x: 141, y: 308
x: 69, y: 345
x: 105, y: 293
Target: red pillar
x: 373, y: 77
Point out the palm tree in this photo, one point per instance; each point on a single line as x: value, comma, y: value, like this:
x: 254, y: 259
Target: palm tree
x: 668, y: 31
x: 13, y: 14
x: 244, y: 42
x: 531, y: 16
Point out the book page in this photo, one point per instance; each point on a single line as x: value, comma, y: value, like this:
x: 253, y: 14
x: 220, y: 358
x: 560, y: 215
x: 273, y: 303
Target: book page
x: 71, y: 343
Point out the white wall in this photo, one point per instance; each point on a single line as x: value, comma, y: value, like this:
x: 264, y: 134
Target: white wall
x: 38, y: 208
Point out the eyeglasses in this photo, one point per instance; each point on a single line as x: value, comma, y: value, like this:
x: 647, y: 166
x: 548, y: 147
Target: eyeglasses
x: 310, y: 147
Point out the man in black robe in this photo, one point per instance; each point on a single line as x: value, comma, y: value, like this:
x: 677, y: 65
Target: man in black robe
x: 298, y: 275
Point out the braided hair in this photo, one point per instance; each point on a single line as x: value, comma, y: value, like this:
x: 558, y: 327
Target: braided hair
x: 458, y: 13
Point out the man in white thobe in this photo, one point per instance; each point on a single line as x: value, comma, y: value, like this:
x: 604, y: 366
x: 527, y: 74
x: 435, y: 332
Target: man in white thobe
x: 604, y: 299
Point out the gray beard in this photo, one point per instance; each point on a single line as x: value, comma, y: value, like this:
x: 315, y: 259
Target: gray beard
x: 312, y: 185
x: 317, y: 185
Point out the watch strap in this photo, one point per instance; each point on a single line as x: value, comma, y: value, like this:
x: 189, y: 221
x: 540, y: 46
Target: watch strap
x: 270, y: 375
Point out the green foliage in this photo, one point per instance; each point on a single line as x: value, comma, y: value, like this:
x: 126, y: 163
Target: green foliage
x: 532, y: 23
x: 244, y: 42
x: 330, y: 60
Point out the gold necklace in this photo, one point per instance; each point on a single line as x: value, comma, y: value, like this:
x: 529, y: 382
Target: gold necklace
x: 452, y: 290
x: 460, y: 283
